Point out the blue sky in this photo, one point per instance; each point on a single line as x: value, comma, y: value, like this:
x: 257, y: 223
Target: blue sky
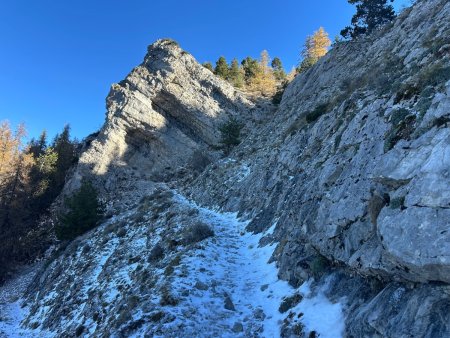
x: 58, y: 59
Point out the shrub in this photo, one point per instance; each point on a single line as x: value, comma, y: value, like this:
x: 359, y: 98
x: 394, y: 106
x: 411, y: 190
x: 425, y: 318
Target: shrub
x: 314, y: 115
x: 199, y: 161
x: 397, y: 203
x: 156, y: 253
x: 318, y: 265
x: 84, y: 213
x: 399, y: 116
x: 402, y: 131
x: 169, y: 41
x: 276, y: 99
x: 196, y: 233
x: 166, y: 297
x: 79, y: 331
x: 230, y: 134
x: 434, y: 76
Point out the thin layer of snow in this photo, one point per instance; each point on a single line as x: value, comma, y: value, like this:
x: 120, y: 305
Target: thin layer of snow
x: 319, y: 314
x: 12, y: 308
x: 232, y: 263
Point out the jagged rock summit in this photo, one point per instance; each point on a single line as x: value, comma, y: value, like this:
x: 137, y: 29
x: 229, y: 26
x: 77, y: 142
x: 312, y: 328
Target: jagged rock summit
x: 344, y: 188
x: 161, y: 119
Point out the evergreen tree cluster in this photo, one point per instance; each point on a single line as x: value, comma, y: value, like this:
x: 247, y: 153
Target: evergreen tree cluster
x: 31, y: 176
x: 260, y: 76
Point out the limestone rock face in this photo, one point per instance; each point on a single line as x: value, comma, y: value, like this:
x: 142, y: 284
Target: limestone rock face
x: 159, y: 119
x: 355, y: 164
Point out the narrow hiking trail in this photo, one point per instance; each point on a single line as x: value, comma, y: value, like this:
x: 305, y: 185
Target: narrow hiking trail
x: 223, y: 288
x: 12, y: 311
x: 232, y: 291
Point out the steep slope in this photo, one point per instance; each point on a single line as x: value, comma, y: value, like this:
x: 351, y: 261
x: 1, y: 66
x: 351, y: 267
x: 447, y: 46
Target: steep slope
x: 354, y: 168
x: 358, y: 156
x: 347, y: 182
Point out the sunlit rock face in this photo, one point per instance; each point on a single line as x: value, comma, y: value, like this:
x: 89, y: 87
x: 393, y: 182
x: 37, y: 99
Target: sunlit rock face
x: 162, y: 118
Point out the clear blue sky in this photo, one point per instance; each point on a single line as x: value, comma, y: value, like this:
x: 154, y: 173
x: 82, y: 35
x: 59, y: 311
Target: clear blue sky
x: 59, y: 58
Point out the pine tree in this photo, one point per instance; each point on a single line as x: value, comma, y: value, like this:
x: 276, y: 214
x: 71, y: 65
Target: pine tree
x: 208, y: 66
x: 250, y: 67
x: 37, y: 147
x: 278, y: 70
x: 221, y: 68
x: 41, y: 175
x: 65, y: 150
x: 230, y: 134
x: 84, y: 212
x: 316, y: 46
x: 235, y: 74
x: 370, y: 15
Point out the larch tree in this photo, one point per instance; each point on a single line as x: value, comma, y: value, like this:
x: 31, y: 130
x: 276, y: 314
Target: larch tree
x: 15, y: 194
x: 31, y: 176
x: 369, y: 16
x: 264, y: 81
x: 315, y: 47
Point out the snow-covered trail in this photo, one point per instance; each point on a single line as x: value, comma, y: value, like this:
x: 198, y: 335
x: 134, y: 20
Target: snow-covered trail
x: 12, y: 311
x: 223, y: 288
x: 232, y: 291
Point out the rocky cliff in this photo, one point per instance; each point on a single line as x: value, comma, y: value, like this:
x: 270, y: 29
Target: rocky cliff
x: 161, y: 121
x: 344, y: 185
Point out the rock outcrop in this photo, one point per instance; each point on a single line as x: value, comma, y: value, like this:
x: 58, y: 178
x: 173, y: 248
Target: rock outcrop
x: 162, y: 119
x: 352, y: 174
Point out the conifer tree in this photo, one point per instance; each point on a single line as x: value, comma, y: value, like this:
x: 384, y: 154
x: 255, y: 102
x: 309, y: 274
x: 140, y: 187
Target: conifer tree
x: 221, y: 68
x: 370, y: 15
x: 208, y: 65
x: 316, y: 46
x: 15, y: 193
x: 264, y: 81
x: 37, y: 147
x: 278, y: 70
x: 65, y: 150
x: 235, y: 74
x: 250, y: 67
x: 41, y: 175
x: 29, y: 183
x: 230, y: 134
x: 84, y: 212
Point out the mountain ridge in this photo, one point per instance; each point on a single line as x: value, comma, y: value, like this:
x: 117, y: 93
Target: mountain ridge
x: 346, y: 181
